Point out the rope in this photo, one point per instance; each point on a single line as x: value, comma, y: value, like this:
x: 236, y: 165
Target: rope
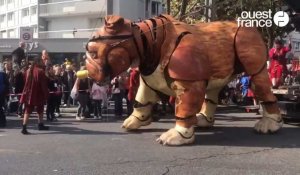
x: 51, y: 92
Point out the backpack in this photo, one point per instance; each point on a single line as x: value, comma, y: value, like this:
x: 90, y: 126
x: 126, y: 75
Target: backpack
x: 2, y: 83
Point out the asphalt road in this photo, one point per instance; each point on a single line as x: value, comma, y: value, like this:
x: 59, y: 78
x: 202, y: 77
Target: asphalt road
x: 101, y: 147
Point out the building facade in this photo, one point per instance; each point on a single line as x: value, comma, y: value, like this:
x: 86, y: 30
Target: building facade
x: 63, y: 26
x: 295, y: 41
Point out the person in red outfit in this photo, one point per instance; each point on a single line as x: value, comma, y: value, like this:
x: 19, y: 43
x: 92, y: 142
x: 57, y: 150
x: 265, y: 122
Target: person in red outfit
x: 134, y: 82
x: 278, y: 62
x: 35, y: 94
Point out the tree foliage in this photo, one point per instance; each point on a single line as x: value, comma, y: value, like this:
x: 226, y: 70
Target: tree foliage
x: 195, y: 11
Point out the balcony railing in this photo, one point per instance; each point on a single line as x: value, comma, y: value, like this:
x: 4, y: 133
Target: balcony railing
x: 76, y: 7
x: 76, y: 33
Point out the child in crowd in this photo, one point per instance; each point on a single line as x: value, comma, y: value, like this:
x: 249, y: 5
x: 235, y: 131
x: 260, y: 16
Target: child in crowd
x: 97, y: 95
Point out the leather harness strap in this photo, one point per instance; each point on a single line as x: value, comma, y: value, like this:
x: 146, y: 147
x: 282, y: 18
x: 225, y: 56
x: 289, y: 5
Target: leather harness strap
x: 180, y: 37
x: 164, y: 28
x: 185, y: 118
x: 140, y: 105
x: 142, y: 120
x: 210, y: 101
x: 260, y: 70
x: 154, y: 28
x: 185, y: 136
x: 238, y: 67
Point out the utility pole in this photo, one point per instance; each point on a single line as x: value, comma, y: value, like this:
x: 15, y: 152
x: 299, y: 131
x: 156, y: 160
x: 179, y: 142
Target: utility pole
x: 168, y: 7
x: 210, y: 13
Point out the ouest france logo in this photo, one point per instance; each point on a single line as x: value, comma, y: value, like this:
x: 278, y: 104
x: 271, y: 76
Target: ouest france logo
x: 263, y: 19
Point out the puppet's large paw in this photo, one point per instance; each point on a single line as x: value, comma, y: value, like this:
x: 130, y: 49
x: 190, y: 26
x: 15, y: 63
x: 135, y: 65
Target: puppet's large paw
x: 132, y: 122
x: 268, y: 125
x: 177, y: 136
x: 203, y: 121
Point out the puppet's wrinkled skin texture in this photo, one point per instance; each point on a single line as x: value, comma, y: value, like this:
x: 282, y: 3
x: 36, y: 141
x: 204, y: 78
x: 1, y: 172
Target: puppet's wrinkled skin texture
x: 189, y: 62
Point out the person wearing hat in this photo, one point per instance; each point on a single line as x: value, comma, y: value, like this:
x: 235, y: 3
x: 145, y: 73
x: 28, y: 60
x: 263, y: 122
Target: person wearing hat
x: 278, y: 62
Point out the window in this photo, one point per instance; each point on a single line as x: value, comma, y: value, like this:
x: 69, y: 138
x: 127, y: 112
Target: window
x: 11, y: 33
x: 3, y: 34
x: 25, y: 12
x: 2, y: 18
x: 154, y: 8
x: 33, y: 10
x: 10, y: 16
x: 35, y: 29
x: 147, y: 5
x: 1, y: 2
x: 297, y: 45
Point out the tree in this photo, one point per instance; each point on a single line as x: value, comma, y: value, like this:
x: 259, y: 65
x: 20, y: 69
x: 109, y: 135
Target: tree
x: 192, y: 11
x: 189, y: 11
x: 231, y: 9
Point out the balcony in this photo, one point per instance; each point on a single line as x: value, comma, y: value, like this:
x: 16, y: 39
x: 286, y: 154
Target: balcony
x: 77, y: 33
x: 25, y: 20
x: 73, y: 8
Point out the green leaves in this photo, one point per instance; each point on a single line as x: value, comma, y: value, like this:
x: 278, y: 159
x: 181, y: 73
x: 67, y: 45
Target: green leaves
x: 230, y: 10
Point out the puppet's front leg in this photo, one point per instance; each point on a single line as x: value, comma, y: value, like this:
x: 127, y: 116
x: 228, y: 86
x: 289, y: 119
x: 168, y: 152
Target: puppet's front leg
x: 189, y: 97
x: 141, y: 115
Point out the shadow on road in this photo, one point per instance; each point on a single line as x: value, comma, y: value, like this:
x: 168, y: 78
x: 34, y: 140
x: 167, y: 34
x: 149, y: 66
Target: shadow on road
x: 234, y: 118
x: 247, y: 137
x: 61, y: 127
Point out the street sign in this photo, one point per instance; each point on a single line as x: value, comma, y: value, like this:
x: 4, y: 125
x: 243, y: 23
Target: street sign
x: 26, y: 34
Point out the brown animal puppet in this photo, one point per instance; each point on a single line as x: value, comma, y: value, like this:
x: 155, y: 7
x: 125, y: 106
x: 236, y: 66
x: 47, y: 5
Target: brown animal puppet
x: 190, y: 62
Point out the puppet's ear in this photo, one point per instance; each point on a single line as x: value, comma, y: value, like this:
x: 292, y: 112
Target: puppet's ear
x: 114, y: 24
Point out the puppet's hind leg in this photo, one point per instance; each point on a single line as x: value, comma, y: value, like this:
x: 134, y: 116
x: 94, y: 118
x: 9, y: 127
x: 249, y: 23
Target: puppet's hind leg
x: 271, y: 120
x: 253, y: 58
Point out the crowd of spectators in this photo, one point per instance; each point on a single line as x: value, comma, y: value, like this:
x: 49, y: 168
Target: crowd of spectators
x: 28, y: 85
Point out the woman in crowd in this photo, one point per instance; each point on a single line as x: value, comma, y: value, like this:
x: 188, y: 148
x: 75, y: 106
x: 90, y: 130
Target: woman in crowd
x: 53, y: 95
x: 19, y: 86
x: 35, y: 94
x: 83, y: 88
x: 59, y: 84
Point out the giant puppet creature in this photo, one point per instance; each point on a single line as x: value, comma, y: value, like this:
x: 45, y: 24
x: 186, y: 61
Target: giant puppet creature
x: 189, y: 62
